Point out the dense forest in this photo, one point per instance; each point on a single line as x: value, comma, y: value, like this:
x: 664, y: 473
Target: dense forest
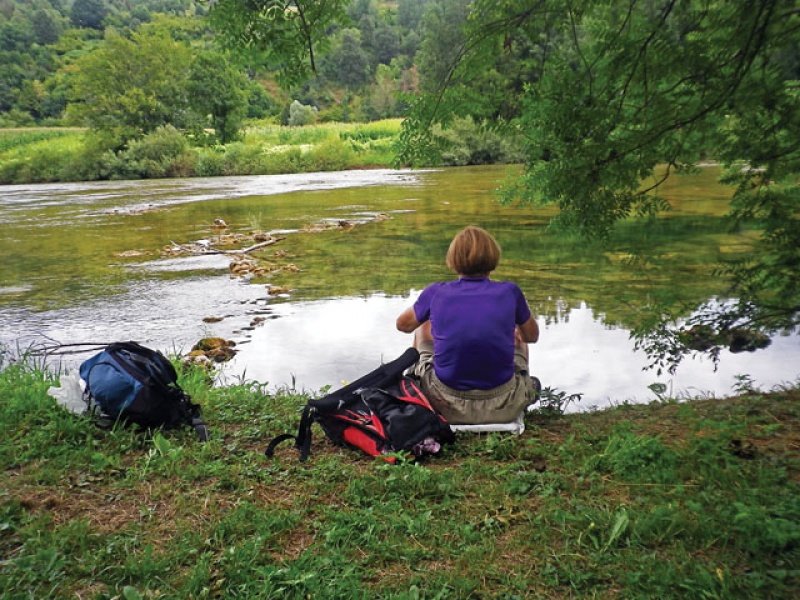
x: 162, y: 89
x: 49, y: 50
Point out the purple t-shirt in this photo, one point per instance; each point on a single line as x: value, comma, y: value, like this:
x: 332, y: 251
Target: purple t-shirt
x: 472, y: 322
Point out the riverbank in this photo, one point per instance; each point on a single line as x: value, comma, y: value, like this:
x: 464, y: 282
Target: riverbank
x: 692, y: 499
x: 53, y: 154
x: 40, y: 155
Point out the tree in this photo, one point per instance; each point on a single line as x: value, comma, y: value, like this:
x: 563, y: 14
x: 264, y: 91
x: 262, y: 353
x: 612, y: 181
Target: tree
x: 58, y: 6
x: 45, y: 28
x: 12, y: 76
x: 129, y: 87
x: 16, y: 35
x: 286, y: 35
x: 88, y: 13
x: 347, y: 63
x: 443, y: 41
x: 499, y: 66
x: 386, y: 43
x: 218, y: 89
x: 384, y: 92
x: 30, y: 98
x: 259, y: 102
x: 624, y: 86
x: 409, y: 13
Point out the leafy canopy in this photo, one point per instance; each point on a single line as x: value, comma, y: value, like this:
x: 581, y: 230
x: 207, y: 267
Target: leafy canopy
x: 615, y: 88
x: 286, y: 35
x: 218, y: 91
x: 129, y: 87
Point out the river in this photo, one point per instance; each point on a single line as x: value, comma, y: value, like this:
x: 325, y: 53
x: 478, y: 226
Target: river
x: 91, y: 263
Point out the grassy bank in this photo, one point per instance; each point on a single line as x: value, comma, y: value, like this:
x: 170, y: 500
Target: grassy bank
x: 63, y: 154
x: 690, y: 500
x: 44, y: 155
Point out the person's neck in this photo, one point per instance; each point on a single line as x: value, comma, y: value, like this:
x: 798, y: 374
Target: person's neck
x: 474, y: 276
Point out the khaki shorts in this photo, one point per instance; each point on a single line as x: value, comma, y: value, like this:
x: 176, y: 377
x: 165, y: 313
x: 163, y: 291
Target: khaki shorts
x: 501, y: 404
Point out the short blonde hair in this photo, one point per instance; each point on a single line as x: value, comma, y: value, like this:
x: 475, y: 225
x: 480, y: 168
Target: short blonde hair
x: 473, y: 251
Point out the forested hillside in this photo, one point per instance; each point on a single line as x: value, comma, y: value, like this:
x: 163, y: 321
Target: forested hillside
x: 373, y: 59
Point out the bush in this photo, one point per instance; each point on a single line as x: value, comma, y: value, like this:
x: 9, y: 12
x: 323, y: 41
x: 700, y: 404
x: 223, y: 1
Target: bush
x: 93, y: 160
x: 183, y: 165
x: 164, y: 142
x: 335, y: 113
x: 36, y: 154
x: 93, y: 163
x: 331, y: 155
x: 155, y: 154
x: 243, y: 159
x: 40, y: 161
x: 210, y: 162
x: 16, y: 118
x: 259, y: 103
x: 68, y: 155
x: 10, y: 171
x: 470, y: 143
x: 292, y: 160
x: 301, y: 114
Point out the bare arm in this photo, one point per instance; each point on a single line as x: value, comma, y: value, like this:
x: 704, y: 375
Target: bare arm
x: 407, y: 321
x: 529, y: 331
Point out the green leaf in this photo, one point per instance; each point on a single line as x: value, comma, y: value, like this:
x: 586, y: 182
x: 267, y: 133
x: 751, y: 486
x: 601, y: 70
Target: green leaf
x: 130, y: 593
x: 619, y: 528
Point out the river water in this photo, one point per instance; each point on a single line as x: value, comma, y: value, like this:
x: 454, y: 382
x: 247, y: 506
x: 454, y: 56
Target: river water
x: 90, y: 263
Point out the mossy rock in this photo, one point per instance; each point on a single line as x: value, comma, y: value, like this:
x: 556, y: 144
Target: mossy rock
x: 215, y: 348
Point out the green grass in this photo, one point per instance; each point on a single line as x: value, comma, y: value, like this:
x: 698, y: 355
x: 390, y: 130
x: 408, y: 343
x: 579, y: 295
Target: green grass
x: 43, y: 155
x: 328, y: 146
x: 670, y: 500
x: 311, y: 134
x: 18, y: 138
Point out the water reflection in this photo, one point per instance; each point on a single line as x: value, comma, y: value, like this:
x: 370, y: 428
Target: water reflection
x: 167, y: 315
x: 84, y: 263
x: 320, y: 343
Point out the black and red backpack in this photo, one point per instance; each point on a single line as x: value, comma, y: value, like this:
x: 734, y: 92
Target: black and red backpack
x: 383, y: 412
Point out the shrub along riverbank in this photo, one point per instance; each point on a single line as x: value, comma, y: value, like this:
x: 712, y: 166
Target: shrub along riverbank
x: 669, y: 500
x: 76, y: 155
x: 63, y: 154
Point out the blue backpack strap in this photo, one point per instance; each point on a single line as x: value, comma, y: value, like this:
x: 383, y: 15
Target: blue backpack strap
x: 128, y: 355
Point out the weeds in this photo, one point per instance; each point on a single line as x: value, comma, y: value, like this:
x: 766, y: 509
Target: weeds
x: 555, y: 402
x: 17, y: 138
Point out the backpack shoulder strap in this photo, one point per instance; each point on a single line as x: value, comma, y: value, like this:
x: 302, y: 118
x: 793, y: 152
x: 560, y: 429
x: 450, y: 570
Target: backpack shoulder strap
x: 302, y: 441
x: 381, y: 376
x: 133, y: 356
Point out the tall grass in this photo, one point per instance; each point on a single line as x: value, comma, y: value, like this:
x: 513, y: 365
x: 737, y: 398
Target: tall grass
x: 19, y: 138
x: 53, y: 155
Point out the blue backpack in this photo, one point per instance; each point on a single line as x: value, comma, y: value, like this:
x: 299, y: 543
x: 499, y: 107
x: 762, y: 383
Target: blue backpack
x: 135, y: 384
